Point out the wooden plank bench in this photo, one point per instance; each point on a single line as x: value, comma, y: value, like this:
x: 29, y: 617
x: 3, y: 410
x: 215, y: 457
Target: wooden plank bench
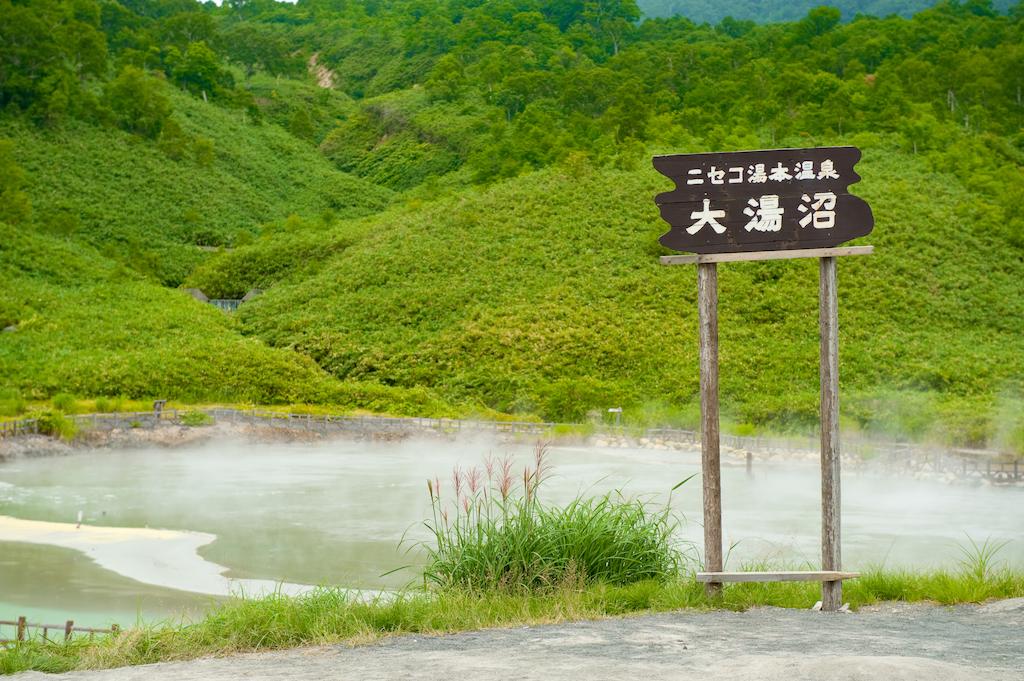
x: 784, y: 576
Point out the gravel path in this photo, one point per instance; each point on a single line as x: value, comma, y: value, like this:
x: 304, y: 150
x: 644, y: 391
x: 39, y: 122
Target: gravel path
x: 891, y: 643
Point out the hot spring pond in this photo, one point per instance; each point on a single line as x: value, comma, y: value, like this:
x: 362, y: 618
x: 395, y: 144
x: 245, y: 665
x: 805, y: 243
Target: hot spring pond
x: 167, y: 532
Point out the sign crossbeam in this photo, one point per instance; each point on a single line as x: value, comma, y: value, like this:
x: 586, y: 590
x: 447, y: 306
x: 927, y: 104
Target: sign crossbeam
x: 765, y: 255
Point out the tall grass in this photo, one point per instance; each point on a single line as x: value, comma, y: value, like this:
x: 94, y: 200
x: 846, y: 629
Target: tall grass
x: 493, y: 532
x: 54, y: 422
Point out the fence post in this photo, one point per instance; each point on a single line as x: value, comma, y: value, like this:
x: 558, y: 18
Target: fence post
x: 21, y: 628
x: 69, y: 626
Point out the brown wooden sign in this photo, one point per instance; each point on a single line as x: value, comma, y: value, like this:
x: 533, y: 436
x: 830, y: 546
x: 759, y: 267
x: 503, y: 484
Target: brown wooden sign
x: 762, y: 200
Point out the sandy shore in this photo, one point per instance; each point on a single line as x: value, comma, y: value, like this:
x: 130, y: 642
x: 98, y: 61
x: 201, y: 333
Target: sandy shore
x: 167, y: 558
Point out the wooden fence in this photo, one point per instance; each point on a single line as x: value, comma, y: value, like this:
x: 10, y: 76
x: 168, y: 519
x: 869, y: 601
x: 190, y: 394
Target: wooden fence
x: 385, y: 424
x: 23, y: 627
x: 126, y: 420
x: 19, y: 427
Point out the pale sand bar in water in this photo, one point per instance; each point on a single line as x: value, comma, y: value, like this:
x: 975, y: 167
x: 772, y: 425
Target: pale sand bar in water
x: 167, y: 558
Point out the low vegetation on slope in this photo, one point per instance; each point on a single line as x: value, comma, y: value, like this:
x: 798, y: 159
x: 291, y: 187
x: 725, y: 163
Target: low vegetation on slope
x: 557, y: 308
x: 152, y: 207
x: 81, y: 323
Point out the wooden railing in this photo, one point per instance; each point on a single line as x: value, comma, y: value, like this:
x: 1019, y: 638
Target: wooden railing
x: 19, y: 427
x: 124, y: 420
x: 22, y: 629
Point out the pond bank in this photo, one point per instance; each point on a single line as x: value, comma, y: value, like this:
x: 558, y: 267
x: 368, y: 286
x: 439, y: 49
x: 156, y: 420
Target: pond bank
x: 173, y: 429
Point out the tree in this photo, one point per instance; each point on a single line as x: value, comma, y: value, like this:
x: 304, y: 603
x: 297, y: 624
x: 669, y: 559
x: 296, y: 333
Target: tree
x: 199, y: 71
x: 301, y: 125
x: 818, y: 21
x: 138, y: 105
x: 40, y: 43
x: 189, y: 27
x: 611, y: 19
x: 173, y: 141
x: 255, y: 46
x: 629, y: 112
x: 446, y: 78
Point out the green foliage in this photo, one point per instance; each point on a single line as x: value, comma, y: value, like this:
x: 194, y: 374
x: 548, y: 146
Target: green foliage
x: 65, y: 403
x: 146, y: 213
x: 492, y: 532
x: 301, y: 125
x: 15, y: 206
x: 54, y: 423
x: 199, y: 70
x: 203, y: 151
x: 108, y: 405
x: 196, y: 419
x: 173, y: 141
x: 260, y: 46
x: 138, y: 103
x: 149, y: 341
x: 285, y: 251
x: 49, y: 49
x: 12, y: 403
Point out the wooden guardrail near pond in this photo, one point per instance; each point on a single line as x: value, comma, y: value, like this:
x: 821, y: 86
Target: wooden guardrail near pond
x: 23, y: 628
x: 19, y: 427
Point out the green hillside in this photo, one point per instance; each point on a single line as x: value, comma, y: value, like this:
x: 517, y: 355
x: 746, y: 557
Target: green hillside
x: 449, y: 208
x: 132, y: 201
x: 556, y: 309
x: 88, y: 326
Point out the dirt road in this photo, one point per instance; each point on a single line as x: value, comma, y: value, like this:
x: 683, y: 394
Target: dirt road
x: 891, y: 643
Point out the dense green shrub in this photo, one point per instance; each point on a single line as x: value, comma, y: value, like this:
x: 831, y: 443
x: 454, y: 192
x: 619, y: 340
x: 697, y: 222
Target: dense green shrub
x: 491, y: 531
x: 196, y: 419
x: 138, y: 102
x: 54, y: 423
x: 65, y: 403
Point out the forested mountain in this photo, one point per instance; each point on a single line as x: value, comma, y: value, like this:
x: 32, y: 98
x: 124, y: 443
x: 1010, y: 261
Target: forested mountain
x: 765, y: 11
x: 448, y: 206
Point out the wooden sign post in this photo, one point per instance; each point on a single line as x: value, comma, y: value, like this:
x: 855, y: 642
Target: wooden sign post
x: 766, y: 205
x: 710, y: 463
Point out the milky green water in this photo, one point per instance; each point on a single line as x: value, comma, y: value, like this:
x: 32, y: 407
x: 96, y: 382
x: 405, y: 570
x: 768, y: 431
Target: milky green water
x: 334, y: 513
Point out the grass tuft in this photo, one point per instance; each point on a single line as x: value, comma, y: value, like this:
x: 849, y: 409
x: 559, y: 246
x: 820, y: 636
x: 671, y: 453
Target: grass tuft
x: 492, y: 532
x: 54, y: 422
